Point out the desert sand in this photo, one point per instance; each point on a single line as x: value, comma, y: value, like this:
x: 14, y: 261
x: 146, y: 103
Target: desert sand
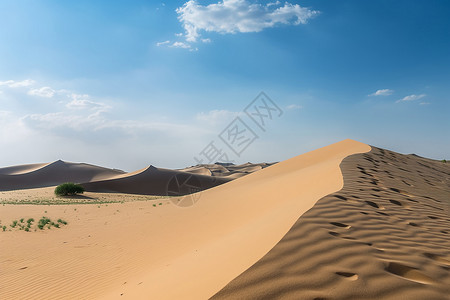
x: 347, y: 221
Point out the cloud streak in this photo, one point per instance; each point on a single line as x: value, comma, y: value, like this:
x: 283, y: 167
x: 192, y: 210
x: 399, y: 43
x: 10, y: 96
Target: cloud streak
x: 411, y: 98
x: 17, y: 84
x: 383, y: 92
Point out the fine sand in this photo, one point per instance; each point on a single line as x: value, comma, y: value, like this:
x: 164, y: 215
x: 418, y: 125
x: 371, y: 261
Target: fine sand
x: 159, y: 249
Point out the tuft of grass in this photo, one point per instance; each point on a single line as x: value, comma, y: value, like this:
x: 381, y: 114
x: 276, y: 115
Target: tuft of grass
x: 14, y: 223
x: 4, y: 228
x: 21, y: 220
x: 30, y: 220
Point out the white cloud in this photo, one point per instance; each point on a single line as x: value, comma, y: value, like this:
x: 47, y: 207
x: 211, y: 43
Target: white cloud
x: 232, y: 16
x: 294, y: 107
x: 17, y: 84
x: 217, y: 116
x: 83, y: 102
x: 383, y: 92
x: 180, y: 45
x: 162, y: 43
x: 46, y: 92
x: 411, y: 98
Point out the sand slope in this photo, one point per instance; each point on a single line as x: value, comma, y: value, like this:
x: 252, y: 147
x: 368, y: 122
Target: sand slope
x: 141, y: 250
x: 385, y: 235
x: 43, y: 175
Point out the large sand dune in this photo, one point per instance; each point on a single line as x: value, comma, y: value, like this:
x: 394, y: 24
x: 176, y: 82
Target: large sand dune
x: 385, y: 235
x: 382, y: 235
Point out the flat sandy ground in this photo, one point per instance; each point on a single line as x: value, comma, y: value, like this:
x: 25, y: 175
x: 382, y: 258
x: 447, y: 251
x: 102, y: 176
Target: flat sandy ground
x: 383, y: 236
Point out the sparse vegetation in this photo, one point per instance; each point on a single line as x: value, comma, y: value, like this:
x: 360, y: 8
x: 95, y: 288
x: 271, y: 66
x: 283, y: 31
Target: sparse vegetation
x: 444, y: 161
x: 43, y: 223
x: 69, y: 189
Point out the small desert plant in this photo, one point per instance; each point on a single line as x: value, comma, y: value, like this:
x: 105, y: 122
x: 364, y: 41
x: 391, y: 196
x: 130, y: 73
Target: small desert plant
x: 4, y: 228
x: 14, y: 224
x: 62, y: 221
x: 42, y: 222
x: 444, y: 161
x: 68, y: 188
x: 30, y: 220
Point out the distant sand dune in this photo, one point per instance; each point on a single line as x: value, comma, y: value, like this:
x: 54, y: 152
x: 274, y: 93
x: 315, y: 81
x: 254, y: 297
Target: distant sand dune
x: 156, y: 181
x: 44, y: 175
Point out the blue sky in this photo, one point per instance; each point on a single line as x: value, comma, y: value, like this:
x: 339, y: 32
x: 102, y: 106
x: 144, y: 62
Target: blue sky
x: 126, y: 84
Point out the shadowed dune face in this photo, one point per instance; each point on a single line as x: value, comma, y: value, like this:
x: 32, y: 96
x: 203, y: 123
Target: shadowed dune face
x: 156, y: 181
x: 385, y: 235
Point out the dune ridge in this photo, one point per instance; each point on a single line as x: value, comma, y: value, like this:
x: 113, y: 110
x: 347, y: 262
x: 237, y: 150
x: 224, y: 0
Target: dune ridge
x: 385, y: 235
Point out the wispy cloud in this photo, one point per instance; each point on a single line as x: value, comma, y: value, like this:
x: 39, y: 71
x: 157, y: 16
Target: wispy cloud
x: 46, y: 92
x: 383, y: 92
x: 162, y: 43
x: 218, y: 116
x: 411, y: 98
x: 293, y: 107
x: 17, y: 84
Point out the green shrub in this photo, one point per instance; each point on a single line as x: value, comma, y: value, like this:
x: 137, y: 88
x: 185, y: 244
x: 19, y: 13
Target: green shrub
x: 42, y: 222
x: 14, y: 224
x: 62, y: 221
x: 444, y: 161
x: 68, y: 189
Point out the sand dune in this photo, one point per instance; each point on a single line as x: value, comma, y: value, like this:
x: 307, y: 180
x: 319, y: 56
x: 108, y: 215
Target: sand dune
x: 155, y: 181
x: 142, y: 250
x: 43, y: 175
x: 229, y: 171
x: 385, y: 235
